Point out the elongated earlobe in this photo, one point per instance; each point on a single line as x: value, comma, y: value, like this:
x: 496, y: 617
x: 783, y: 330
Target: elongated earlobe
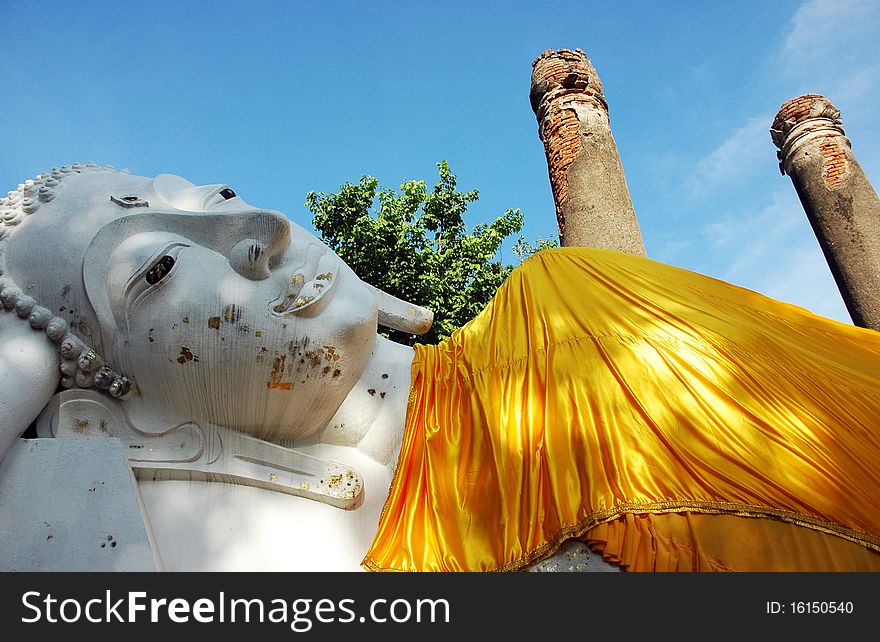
x: 400, y: 315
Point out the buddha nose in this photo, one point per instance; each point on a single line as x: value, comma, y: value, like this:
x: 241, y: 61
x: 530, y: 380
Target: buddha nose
x: 260, y: 240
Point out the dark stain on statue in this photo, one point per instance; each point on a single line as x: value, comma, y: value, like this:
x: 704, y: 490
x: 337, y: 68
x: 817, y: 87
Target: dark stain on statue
x: 232, y: 313
x: 214, y: 323
x: 186, y: 355
x: 275, y: 382
x: 297, y: 351
x: 65, y: 290
x: 322, y: 357
x: 297, y: 348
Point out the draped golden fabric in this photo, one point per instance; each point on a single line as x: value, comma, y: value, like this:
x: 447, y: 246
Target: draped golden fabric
x: 607, y: 396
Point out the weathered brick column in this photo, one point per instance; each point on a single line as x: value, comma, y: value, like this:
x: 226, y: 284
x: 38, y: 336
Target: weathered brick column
x: 593, y: 206
x: 839, y: 201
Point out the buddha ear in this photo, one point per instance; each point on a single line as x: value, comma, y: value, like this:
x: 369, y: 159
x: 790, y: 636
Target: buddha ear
x: 29, y: 375
x: 400, y: 315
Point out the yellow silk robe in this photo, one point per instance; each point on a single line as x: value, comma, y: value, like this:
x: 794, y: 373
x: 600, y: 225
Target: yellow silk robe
x: 674, y: 421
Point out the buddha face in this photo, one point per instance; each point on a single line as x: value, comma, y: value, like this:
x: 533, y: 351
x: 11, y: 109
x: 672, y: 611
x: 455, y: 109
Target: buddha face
x: 217, y: 310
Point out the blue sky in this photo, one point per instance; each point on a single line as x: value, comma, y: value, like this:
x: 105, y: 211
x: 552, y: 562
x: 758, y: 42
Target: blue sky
x: 279, y: 98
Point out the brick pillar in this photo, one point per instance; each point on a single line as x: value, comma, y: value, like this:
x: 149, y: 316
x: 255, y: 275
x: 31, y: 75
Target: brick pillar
x: 593, y: 206
x: 839, y: 201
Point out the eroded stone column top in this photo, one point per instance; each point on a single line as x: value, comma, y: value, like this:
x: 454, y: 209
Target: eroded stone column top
x: 802, y: 119
x: 562, y: 71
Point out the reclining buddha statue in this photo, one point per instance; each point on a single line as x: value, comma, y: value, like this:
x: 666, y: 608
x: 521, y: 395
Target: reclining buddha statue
x: 669, y: 420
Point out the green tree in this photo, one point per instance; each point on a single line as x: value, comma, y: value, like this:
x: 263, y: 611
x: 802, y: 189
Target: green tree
x: 524, y: 249
x: 414, y: 244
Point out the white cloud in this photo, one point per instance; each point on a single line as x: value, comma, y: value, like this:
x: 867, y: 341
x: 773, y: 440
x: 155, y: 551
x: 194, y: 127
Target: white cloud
x: 805, y: 280
x: 759, y: 236
x: 740, y: 155
x: 776, y: 253
x: 822, y: 30
x: 832, y: 48
x: 860, y: 85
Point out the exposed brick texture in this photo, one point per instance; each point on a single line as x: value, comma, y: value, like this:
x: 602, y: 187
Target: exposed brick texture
x: 562, y: 143
x: 797, y: 110
x: 558, y: 78
x: 563, y: 69
x: 835, y: 167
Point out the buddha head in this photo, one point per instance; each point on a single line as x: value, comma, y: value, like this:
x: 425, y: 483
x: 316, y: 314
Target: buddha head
x: 185, y: 303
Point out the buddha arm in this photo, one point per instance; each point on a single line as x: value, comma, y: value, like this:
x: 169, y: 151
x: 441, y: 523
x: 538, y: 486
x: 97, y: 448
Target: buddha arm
x: 29, y: 375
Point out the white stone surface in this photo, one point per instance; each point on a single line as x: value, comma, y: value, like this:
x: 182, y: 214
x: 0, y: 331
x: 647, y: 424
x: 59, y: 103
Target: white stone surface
x: 215, y: 526
x: 72, y: 505
x: 252, y: 354
x: 574, y: 556
x: 28, y: 376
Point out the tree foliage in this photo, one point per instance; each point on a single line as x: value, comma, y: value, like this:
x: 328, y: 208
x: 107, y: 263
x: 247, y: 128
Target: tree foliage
x: 414, y: 244
x: 524, y: 249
